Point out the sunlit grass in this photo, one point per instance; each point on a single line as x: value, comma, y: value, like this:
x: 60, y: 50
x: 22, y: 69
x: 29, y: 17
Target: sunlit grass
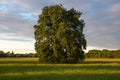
x: 99, y: 64
x: 18, y: 59
x: 31, y: 69
x: 62, y: 72
x: 103, y: 59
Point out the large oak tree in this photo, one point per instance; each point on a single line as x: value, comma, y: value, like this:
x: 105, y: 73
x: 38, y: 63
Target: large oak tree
x: 59, y: 35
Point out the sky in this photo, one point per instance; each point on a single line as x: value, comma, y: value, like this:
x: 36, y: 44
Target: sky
x: 17, y: 18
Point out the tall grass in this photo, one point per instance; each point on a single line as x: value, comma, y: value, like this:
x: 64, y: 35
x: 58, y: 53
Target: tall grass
x: 31, y: 69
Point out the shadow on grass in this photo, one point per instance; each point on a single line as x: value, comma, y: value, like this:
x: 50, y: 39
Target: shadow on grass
x: 21, y: 69
x: 64, y: 77
x: 37, y: 62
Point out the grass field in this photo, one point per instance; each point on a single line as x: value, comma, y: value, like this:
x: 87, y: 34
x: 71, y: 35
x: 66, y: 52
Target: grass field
x: 31, y: 69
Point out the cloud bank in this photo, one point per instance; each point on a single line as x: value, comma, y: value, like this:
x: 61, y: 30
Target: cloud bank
x: 102, y: 28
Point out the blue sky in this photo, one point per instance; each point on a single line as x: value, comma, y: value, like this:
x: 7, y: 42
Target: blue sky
x: 17, y: 17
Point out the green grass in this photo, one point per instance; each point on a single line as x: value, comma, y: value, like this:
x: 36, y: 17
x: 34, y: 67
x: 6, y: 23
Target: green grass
x: 31, y: 69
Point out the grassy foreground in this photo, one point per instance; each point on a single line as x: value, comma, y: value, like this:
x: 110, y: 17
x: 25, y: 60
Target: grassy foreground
x: 31, y: 69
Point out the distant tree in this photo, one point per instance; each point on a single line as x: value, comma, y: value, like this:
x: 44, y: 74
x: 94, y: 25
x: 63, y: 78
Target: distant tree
x: 59, y: 35
x: 2, y: 54
x: 103, y: 54
x: 12, y: 53
x: 8, y: 54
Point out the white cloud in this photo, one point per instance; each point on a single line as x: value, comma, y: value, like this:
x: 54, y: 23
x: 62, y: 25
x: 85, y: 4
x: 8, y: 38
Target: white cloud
x: 3, y: 11
x: 101, y: 17
x: 77, y: 4
x: 115, y: 8
x: 94, y: 47
x: 3, y: 27
x: 114, y: 11
x: 14, y: 37
x: 17, y: 47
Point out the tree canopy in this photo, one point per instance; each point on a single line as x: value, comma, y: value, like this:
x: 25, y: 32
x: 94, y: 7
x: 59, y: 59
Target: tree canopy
x: 59, y: 35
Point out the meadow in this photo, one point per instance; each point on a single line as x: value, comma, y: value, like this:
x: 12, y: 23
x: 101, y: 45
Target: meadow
x: 31, y: 69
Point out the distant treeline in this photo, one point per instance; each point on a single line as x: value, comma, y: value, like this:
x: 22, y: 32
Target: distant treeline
x: 103, y: 54
x: 18, y: 55
x: 91, y: 54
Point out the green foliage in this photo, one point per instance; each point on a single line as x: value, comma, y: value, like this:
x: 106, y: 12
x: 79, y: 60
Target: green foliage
x: 59, y: 35
x: 103, y: 54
